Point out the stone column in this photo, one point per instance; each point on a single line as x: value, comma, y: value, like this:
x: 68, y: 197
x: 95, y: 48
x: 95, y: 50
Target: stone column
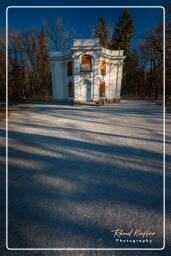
x: 58, y: 80
x: 113, y: 82
x: 107, y: 81
x: 96, y: 79
x: 119, y: 80
x: 76, y: 78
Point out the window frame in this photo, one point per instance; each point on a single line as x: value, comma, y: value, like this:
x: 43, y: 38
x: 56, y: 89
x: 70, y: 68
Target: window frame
x: 102, y: 91
x: 69, y: 68
x: 103, y: 70
x: 86, y: 67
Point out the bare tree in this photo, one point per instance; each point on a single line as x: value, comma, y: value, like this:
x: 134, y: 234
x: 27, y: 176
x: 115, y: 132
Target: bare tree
x: 29, y: 75
x: 151, y: 54
x: 28, y: 72
x: 58, y: 35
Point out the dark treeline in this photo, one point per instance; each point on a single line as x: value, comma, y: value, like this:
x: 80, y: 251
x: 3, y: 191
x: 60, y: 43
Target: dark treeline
x: 29, y: 74
x: 143, y: 68
x: 28, y: 71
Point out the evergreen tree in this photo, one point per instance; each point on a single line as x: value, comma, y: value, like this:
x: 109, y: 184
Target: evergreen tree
x: 124, y: 32
x: 112, y: 43
x: 133, y: 76
x: 100, y: 32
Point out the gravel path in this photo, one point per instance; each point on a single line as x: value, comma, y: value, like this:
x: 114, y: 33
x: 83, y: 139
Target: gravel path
x: 78, y: 172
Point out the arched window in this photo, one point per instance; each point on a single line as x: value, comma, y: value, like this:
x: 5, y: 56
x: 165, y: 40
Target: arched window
x: 86, y: 63
x: 86, y: 59
x: 70, y: 89
x: 69, y: 68
x: 102, y: 89
x: 103, y: 68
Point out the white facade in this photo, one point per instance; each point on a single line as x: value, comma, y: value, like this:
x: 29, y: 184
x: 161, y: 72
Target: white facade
x: 86, y: 72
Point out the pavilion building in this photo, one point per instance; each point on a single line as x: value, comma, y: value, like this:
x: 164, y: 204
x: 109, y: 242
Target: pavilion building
x: 86, y: 72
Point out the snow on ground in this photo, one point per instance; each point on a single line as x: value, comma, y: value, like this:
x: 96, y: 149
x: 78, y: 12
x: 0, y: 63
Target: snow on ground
x: 78, y: 172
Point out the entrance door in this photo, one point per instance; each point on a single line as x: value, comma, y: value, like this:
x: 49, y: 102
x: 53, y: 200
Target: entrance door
x: 102, y: 89
x: 87, y: 91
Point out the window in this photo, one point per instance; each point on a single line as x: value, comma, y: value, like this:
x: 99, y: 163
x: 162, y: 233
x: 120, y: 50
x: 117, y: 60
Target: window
x: 70, y: 89
x: 86, y: 64
x: 86, y: 59
x: 69, y: 68
x: 103, y: 68
x: 102, y: 89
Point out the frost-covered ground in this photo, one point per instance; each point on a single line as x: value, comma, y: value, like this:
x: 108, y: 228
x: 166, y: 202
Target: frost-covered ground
x: 78, y: 172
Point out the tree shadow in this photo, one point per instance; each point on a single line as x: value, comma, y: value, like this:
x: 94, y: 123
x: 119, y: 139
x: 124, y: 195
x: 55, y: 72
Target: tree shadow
x: 71, y: 192
x: 46, y: 194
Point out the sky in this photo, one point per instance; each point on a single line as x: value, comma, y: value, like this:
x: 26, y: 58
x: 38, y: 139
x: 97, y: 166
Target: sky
x: 81, y: 19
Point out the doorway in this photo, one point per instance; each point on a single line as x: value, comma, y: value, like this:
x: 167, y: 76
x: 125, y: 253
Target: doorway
x: 102, y: 89
x: 86, y: 91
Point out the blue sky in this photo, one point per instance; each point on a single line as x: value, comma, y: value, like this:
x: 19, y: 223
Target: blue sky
x: 82, y: 19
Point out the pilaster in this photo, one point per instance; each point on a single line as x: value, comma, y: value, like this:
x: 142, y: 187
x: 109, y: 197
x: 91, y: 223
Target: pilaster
x: 96, y: 78
x: 119, y: 80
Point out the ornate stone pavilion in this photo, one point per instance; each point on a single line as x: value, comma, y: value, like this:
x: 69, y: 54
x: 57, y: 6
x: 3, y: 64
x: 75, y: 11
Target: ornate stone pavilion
x: 86, y: 72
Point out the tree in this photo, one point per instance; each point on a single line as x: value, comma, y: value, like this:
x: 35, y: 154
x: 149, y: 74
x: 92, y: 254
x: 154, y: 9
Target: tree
x: 133, y: 75
x: 41, y: 66
x: 58, y: 35
x: 151, y: 51
x: 124, y: 32
x: 16, y: 66
x: 101, y: 33
x: 112, y: 44
x: 121, y: 40
x: 28, y: 72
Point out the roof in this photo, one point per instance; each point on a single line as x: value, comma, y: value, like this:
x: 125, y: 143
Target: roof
x: 86, y: 42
